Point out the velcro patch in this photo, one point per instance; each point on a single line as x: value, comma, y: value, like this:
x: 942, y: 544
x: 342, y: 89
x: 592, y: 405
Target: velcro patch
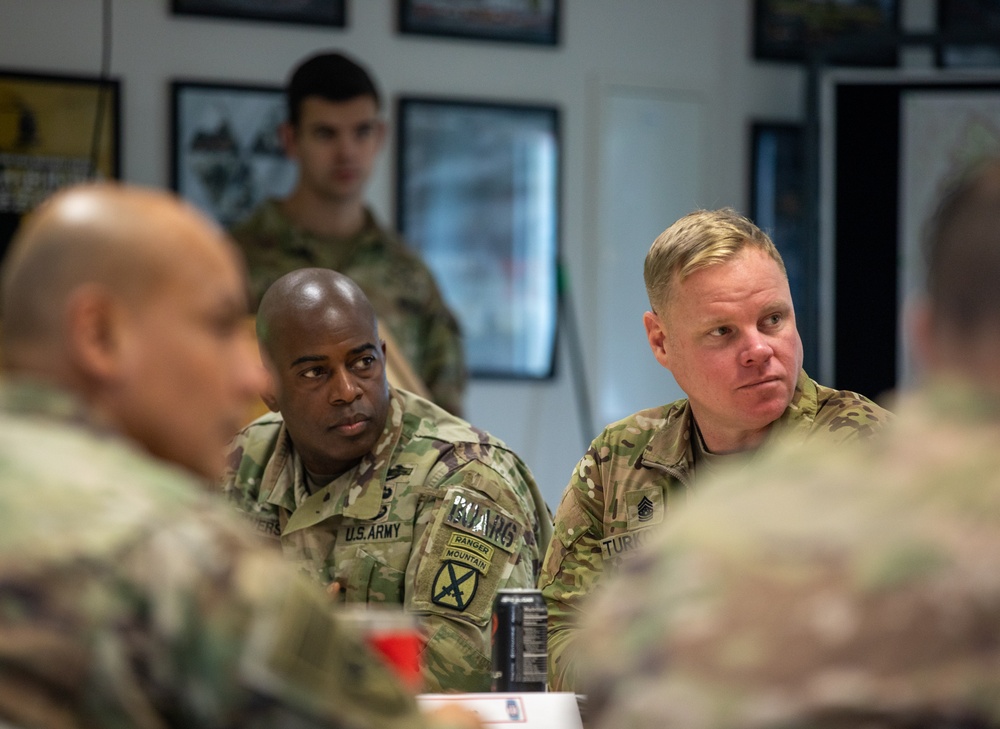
x: 367, y: 532
x: 483, y: 519
x: 455, y: 586
x: 616, y: 547
x: 464, y: 541
x: 644, y: 507
x: 398, y: 471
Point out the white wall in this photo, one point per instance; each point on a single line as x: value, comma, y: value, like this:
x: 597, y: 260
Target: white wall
x: 665, y: 49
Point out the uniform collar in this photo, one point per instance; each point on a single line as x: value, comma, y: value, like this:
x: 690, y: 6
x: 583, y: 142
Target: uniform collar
x: 671, y: 446
x: 356, y: 494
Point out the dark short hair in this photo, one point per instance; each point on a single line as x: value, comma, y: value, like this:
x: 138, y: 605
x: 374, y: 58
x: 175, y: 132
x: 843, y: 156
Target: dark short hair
x: 329, y: 75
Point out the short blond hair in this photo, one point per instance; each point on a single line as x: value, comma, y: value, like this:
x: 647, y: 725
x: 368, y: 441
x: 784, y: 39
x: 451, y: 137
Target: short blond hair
x: 700, y: 239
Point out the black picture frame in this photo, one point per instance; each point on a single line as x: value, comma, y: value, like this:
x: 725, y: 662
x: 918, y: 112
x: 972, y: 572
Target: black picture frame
x: 227, y: 155
x: 305, y: 12
x: 778, y: 206
x: 975, y: 19
x: 478, y: 195
x: 837, y: 32
x: 55, y: 130
x: 522, y: 21
x: 866, y: 158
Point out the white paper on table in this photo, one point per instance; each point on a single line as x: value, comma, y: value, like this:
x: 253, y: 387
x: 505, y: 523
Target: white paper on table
x: 529, y: 710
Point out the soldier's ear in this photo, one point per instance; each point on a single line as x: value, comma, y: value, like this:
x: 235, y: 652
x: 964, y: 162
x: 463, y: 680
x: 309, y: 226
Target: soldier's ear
x: 656, y: 334
x: 269, y: 393
x: 94, y: 333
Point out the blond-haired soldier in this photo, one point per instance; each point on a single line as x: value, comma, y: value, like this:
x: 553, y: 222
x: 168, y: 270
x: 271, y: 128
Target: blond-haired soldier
x: 722, y: 322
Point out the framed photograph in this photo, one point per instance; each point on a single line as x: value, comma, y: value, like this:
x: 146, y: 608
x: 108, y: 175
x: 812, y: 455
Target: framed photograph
x: 520, y: 21
x: 310, y: 12
x: 778, y: 207
x: 227, y: 153
x: 978, y: 20
x: 54, y: 131
x: 478, y: 197
x: 848, y: 32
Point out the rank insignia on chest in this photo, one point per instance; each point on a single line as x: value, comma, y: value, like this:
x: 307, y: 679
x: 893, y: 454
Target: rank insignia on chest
x: 398, y: 471
x: 455, y: 585
x: 644, y: 507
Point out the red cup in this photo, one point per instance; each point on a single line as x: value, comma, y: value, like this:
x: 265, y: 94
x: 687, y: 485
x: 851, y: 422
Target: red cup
x: 394, y: 635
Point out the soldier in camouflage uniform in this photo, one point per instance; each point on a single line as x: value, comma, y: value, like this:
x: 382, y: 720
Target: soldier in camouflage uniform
x: 129, y: 596
x: 377, y: 491
x: 847, y: 589
x: 723, y: 324
x: 334, y: 133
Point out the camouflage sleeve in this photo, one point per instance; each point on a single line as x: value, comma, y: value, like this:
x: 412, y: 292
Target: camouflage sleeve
x: 224, y: 635
x: 843, y: 416
x: 443, y: 367
x: 572, y: 566
x: 478, y: 538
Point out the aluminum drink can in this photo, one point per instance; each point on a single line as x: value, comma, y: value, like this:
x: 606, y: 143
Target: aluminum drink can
x: 519, y: 641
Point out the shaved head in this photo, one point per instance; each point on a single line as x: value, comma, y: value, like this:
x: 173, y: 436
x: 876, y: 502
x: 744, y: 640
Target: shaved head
x: 318, y: 335
x: 135, y: 302
x: 116, y: 238
x: 303, y: 296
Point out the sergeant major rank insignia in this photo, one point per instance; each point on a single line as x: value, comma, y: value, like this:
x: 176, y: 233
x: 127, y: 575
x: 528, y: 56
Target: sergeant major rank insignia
x: 645, y: 509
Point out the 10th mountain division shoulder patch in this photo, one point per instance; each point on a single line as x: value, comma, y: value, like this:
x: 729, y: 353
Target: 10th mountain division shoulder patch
x: 455, y: 585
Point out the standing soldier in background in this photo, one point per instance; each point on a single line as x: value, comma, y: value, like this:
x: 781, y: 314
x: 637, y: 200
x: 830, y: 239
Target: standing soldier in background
x: 334, y: 133
x: 129, y: 596
x: 722, y: 323
x: 838, y: 589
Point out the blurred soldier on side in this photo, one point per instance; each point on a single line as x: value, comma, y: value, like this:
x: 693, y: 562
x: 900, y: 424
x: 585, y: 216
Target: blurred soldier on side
x: 376, y: 491
x: 860, y: 588
x: 129, y: 597
x: 722, y: 323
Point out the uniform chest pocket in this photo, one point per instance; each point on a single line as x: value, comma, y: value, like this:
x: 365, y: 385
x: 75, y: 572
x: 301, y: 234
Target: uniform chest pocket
x: 372, y: 581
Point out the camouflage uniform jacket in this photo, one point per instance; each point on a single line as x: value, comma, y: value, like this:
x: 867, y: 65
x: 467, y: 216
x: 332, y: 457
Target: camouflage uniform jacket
x: 818, y: 589
x: 398, y: 283
x: 438, y: 517
x: 130, y: 597
x: 631, y: 476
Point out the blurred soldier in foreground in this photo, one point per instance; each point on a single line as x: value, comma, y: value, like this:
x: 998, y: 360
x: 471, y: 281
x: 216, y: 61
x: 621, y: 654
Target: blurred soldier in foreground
x: 128, y: 596
x: 377, y: 492
x: 723, y: 324
x: 853, y: 589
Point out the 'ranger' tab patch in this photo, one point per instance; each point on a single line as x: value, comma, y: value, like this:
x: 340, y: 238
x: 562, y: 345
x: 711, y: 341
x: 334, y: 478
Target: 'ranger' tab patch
x: 483, y: 519
x: 644, y: 507
x: 455, y: 586
x: 469, y: 551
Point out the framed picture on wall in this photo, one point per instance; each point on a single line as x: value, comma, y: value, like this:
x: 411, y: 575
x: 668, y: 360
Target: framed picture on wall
x: 478, y: 196
x: 54, y: 131
x: 977, y: 19
x: 778, y: 207
x: 312, y: 12
x: 521, y: 21
x: 845, y: 32
x: 227, y: 152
